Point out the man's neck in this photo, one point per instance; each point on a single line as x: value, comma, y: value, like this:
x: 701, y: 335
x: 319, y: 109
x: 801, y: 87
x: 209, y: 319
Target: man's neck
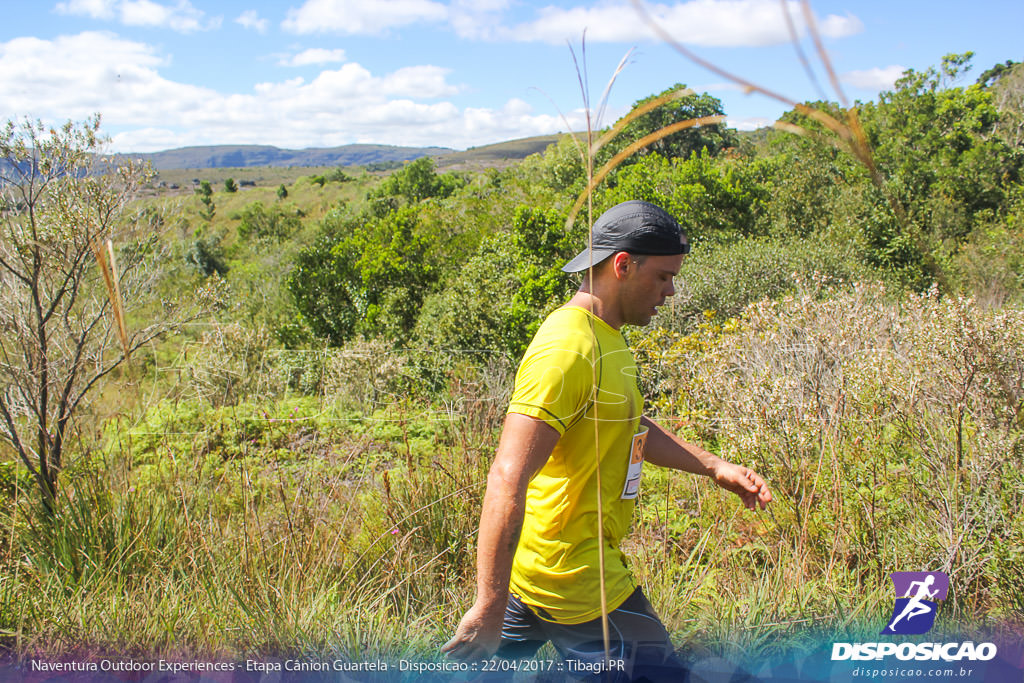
x: 599, y: 306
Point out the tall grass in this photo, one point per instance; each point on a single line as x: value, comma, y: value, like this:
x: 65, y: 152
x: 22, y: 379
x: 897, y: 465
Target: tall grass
x: 889, y: 429
x: 300, y: 537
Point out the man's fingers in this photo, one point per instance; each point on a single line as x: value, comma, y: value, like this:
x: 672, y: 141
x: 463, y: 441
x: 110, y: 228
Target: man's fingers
x: 753, y: 490
x: 457, y: 650
x: 459, y: 647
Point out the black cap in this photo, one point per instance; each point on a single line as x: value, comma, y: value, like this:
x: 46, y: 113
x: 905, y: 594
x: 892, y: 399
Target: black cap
x: 636, y: 227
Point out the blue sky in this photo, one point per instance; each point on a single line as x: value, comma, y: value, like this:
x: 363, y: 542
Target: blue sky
x: 452, y: 73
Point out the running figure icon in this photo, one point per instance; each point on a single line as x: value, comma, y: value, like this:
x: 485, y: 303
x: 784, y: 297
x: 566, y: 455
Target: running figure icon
x: 917, y: 598
x: 916, y: 606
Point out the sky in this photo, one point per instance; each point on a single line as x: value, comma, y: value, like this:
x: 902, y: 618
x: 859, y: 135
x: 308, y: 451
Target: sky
x: 451, y: 73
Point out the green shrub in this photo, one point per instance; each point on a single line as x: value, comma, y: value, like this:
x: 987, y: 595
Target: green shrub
x: 891, y: 431
x: 277, y: 223
x: 206, y: 256
x: 417, y: 181
x: 498, y: 300
x: 722, y: 280
x: 713, y: 200
x: 364, y: 275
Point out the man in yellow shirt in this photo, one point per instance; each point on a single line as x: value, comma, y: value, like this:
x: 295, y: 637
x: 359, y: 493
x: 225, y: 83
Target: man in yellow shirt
x: 571, y: 454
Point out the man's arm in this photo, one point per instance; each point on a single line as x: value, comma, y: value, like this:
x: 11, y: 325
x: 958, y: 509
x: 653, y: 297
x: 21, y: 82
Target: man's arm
x: 667, y: 450
x: 525, y: 445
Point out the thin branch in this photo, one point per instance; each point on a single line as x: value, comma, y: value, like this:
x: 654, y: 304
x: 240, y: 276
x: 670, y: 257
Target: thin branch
x: 799, y: 50
x: 142, y: 340
x: 812, y: 25
x: 71, y: 276
x: 10, y: 269
x: 12, y: 435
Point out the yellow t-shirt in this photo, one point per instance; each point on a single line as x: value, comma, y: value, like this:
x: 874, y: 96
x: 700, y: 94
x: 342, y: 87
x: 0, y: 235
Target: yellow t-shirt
x: 556, y: 563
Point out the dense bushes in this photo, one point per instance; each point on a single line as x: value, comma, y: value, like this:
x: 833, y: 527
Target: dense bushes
x: 276, y: 223
x: 497, y: 301
x: 892, y: 432
x: 714, y: 201
x: 363, y: 277
x: 719, y: 282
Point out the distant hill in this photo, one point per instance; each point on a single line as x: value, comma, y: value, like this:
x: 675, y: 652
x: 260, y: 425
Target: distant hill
x: 248, y: 156
x: 511, y: 150
x: 245, y: 156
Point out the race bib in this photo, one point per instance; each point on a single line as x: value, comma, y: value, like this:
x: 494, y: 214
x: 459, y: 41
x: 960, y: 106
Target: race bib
x: 636, y: 465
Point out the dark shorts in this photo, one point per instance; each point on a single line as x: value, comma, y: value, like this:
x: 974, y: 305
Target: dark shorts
x: 640, y: 646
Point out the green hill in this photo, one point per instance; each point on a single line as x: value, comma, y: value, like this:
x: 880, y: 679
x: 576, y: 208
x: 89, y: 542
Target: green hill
x: 245, y: 156
x: 250, y: 156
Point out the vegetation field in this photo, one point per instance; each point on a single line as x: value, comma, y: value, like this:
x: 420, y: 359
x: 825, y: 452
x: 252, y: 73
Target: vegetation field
x: 259, y: 419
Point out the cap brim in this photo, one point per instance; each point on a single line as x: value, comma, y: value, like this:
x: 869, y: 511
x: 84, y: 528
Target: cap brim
x: 587, y: 258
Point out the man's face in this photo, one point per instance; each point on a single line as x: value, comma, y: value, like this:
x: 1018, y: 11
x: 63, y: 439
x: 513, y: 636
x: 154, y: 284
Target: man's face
x: 646, y: 286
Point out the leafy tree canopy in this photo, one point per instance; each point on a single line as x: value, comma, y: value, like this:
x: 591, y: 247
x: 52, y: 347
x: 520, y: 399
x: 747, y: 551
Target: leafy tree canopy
x: 711, y: 138
x: 417, y: 181
x: 363, y: 277
x: 497, y: 301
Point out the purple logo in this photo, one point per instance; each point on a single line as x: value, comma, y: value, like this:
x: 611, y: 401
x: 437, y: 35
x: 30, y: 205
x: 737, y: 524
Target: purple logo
x: 917, y: 596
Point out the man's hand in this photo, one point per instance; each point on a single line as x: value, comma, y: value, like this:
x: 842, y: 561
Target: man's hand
x: 744, y: 482
x: 478, y: 635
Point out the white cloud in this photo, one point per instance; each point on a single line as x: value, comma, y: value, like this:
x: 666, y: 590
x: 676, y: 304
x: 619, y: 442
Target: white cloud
x: 419, y: 82
x: 49, y: 79
x: 97, y: 9
x: 876, y: 79
x: 150, y: 140
x: 748, y: 122
x: 718, y: 23
x: 250, y: 19
x: 182, y: 17
x: 477, y: 19
x: 834, y: 26
x: 314, y: 55
x: 353, y: 17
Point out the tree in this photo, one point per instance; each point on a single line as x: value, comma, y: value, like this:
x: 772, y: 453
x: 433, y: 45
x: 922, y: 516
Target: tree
x: 418, y: 181
x: 230, y: 185
x: 991, y: 76
x: 934, y: 145
x: 364, y: 275
x: 205, y: 193
x: 713, y: 199
x: 206, y: 256
x: 713, y: 137
x: 338, y: 175
x: 1008, y: 89
x: 282, y: 192
x: 70, y: 248
x: 499, y: 299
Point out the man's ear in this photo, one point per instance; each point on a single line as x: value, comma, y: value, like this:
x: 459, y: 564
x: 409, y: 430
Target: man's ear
x: 620, y: 263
